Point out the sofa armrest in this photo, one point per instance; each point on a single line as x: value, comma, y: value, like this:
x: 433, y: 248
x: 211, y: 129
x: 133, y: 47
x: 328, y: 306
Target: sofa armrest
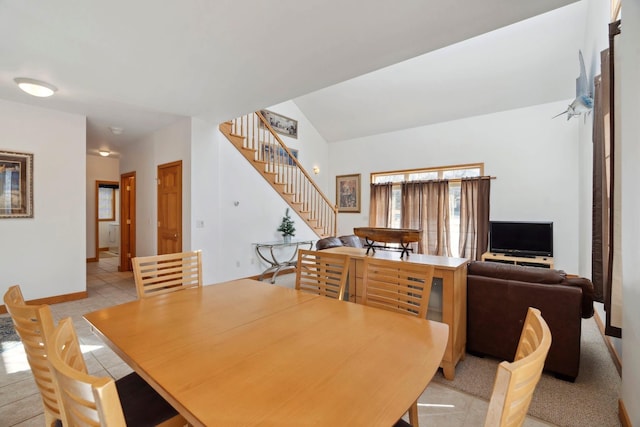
x: 496, y: 310
x: 587, y: 293
x: 561, y: 308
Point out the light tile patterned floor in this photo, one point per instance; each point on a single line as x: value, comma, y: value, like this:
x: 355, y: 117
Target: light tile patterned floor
x: 20, y: 403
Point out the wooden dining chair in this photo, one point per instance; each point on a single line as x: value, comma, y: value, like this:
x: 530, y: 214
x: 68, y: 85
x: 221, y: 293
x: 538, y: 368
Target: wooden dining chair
x: 401, y: 287
x: 322, y: 273
x: 515, y: 382
x: 161, y: 274
x: 35, y: 326
x: 33, y: 323
x: 100, y: 401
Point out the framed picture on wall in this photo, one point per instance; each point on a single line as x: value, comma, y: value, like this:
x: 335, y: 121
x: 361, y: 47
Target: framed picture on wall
x: 16, y: 185
x: 276, y: 154
x: 348, y: 193
x: 281, y: 124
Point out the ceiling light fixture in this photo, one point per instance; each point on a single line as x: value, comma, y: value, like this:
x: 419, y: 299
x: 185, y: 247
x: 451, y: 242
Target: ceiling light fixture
x: 104, y: 153
x: 116, y: 130
x: 35, y: 87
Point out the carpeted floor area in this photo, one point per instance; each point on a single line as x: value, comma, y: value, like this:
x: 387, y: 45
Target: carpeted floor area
x: 592, y: 400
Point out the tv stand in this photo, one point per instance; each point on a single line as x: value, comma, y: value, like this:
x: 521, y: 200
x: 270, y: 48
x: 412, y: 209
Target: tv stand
x: 519, y: 256
x: 531, y: 261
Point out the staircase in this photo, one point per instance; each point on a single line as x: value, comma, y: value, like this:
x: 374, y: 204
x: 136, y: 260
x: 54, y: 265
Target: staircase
x: 260, y: 145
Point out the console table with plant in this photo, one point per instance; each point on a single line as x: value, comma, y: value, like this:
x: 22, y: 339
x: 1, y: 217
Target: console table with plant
x: 286, y: 227
x: 280, y: 255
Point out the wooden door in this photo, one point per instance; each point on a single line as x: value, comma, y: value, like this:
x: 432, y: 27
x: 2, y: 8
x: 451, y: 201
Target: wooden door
x: 127, y: 220
x: 170, y: 208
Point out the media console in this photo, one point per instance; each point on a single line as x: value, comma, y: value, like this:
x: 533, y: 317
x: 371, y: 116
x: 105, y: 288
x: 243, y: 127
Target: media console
x: 535, y: 261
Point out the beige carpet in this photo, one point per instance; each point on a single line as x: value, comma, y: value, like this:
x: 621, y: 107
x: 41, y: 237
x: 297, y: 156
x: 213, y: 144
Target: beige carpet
x: 592, y: 400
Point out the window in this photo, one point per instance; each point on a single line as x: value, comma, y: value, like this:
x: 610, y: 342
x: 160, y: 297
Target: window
x: 453, y: 174
x: 106, y: 203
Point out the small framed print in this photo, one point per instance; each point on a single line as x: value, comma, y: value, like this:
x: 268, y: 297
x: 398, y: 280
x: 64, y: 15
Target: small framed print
x: 16, y: 185
x: 348, y: 193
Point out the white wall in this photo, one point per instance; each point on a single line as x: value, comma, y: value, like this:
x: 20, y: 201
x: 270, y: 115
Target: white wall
x: 534, y: 158
x: 313, y: 150
x: 98, y: 169
x: 628, y: 50
x: 205, y: 196
x: 255, y: 219
x: 167, y: 145
x: 221, y: 177
x: 215, y: 175
x: 46, y: 254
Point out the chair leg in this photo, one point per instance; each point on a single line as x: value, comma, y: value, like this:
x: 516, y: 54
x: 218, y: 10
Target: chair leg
x: 51, y: 420
x: 413, y: 414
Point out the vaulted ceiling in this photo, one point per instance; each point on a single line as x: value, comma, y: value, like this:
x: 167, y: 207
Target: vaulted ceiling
x: 143, y: 64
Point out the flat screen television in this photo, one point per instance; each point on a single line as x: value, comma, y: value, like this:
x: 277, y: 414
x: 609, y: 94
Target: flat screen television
x: 520, y: 238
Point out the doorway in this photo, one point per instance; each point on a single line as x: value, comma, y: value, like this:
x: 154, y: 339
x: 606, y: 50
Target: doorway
x: 128, y: 220
x: 170, y: 208
x: 107, y: 221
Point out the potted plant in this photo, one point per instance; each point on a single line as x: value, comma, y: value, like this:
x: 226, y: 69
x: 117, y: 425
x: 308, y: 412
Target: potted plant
x: 286, y: 227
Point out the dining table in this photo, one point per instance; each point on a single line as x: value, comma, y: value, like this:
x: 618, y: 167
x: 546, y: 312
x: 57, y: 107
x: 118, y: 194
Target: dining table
x: 248, y: 353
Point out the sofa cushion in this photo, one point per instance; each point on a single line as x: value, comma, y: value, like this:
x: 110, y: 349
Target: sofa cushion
x: 516, y: 272
x: 328, y: 242
x: 352, y: 241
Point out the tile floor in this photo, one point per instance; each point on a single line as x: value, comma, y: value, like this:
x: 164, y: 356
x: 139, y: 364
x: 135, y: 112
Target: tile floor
x: 20, y: 403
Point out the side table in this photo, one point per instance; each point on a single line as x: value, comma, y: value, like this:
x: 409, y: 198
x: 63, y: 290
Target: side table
x: 265, y: 251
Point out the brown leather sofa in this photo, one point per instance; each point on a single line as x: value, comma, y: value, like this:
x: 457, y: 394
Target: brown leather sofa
x: 331, y: 242
x: 498, y: 296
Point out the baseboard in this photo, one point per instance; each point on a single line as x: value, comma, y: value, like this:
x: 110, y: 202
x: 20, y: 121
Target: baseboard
x: 617, y: 360
x: 94, y: 259
x: 625, y: 421
x: 52, y: 300
x: 103, y: 249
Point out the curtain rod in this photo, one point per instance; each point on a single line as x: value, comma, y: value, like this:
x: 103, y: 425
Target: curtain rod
x: 439, y: 180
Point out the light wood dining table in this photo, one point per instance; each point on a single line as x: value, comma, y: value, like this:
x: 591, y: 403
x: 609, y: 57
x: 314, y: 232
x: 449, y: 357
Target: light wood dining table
x: 248, y: 353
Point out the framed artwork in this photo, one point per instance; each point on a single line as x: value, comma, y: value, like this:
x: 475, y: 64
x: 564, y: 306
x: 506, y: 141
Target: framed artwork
x: 281, y: 124
x: 16, y: 185
x: 348, y: 193
x: 276, y: 154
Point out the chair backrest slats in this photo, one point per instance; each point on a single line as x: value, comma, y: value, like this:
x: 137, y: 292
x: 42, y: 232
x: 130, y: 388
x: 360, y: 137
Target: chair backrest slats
x: 515, y: 382
x: 322, y: 273
x: 87, y: 400
x: 159, y: 274
x: 34, y: 324
x: 397, y: 286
